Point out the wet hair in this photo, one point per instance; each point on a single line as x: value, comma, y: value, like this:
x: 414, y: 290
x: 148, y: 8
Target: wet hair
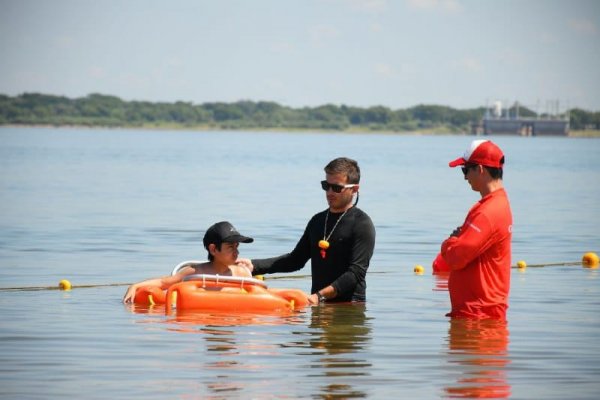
x: 346, y: 166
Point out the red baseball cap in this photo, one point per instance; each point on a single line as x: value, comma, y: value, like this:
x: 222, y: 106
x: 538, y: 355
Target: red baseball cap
x: 481, y: 152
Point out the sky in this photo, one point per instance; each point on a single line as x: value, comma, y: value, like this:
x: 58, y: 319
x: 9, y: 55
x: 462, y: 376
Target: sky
x: 363, y: 53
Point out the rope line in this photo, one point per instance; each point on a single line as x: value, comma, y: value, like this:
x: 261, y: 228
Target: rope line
x: 34, y: 288
x: 550, y: 264
x: 57, y: 287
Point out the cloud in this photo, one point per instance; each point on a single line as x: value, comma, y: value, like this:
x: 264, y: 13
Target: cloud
x: 384, y: 70
x: 547, y: 38
x: 97, y: 72
x: 443, y: 5
x: 322, y: 33
x: 64, y: 41
x: 468, y: 64
x: 376, y: 27
x: 511, y: 57
x: 272, y: 84
x: 403, y: 71
x: 374, y: 6
x: 133, y: 81
x: 583, y: 25
x: 173, y: 62
x: 282, y: 47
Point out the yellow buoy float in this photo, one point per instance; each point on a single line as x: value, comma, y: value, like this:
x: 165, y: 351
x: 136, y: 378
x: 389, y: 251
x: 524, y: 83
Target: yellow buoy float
x: 521, y: 264
x: 64, y: 285
x: 419, y: 270
x: 590, y: 260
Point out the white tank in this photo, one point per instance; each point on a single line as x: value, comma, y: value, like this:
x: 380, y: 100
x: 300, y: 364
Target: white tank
x: 497, y: 109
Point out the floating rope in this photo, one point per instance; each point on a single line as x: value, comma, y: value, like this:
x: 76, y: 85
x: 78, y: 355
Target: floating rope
x: 548, y: 265
x: 589, y: 260
x: 33, y: 288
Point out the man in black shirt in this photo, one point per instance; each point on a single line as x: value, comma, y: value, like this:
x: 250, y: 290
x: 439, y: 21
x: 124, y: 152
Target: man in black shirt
x: 339, y: 241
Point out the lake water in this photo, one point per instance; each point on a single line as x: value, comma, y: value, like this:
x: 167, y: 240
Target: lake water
x: 110, y: 207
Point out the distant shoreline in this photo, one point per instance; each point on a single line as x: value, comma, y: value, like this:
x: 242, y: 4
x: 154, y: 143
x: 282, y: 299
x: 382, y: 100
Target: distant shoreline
x: 110, y: 112
x: 590, y: 133
x: 207, y: 128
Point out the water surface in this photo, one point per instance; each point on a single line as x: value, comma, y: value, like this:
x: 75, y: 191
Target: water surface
x: 117, y: 206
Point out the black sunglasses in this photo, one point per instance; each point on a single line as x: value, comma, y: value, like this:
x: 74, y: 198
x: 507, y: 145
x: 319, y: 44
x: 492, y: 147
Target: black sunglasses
x: 467, y: 167
x: 336, y: 188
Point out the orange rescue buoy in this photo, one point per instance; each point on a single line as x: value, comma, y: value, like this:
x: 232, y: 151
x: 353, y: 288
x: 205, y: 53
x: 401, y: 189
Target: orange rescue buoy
x: 222, y: 294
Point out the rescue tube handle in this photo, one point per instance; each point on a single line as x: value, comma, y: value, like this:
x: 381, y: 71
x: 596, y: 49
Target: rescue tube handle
x: 225, y: 279
x: 184, y: 264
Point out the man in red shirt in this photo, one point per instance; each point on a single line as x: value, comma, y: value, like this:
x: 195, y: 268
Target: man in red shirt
x: 479, y: 252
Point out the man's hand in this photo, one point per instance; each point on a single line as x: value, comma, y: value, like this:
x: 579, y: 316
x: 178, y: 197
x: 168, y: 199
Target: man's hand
x: 313, y: 299
x: 246, y: 263
x: 455, y: 232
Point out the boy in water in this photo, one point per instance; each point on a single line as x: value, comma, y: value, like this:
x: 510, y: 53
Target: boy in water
x: 221, y: 241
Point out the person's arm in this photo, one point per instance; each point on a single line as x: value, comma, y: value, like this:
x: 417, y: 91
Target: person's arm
x: 289, y: 262
x: 474, y: 238
x: 328, y: 292
x: 163, y: 282
x: 362, y: 251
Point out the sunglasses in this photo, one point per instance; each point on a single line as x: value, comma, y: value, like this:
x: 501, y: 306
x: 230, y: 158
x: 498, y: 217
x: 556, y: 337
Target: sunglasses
x: 466, y: 168
x: 336, y: 188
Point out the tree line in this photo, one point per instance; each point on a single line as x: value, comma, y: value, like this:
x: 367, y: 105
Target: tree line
x: 110, y: 111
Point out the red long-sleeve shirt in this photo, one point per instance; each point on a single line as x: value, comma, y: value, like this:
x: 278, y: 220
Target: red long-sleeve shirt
x: 480, y: 258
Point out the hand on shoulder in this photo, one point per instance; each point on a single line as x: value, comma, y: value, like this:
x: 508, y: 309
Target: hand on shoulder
x: 246, y: 263
x: 240, y: 270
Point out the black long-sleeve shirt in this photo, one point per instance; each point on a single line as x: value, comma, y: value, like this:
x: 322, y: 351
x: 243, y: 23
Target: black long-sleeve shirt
x: 347, y: 258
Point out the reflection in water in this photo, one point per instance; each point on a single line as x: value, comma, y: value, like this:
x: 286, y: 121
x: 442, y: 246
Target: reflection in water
x: 342, y: 326
x: 240, y: 349
x: 441, y: 281
x: 233, y: 353
x: 189, y: 320
x: 222, y: 342
x: 479, y: 348
x: 341, y: 332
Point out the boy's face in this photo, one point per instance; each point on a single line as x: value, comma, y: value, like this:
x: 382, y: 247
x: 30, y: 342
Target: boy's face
x: 228, y: 253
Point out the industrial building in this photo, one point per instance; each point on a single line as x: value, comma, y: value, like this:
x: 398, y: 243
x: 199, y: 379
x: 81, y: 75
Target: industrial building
x: 507, y: 121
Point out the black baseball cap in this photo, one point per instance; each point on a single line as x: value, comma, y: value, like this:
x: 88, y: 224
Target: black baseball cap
x: 224, y: 232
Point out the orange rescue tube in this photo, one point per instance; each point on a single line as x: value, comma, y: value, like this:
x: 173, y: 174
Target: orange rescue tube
x: 196, y: 295
x: 298, y: 296
x: 216, y: 293
x: 149, y: 296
